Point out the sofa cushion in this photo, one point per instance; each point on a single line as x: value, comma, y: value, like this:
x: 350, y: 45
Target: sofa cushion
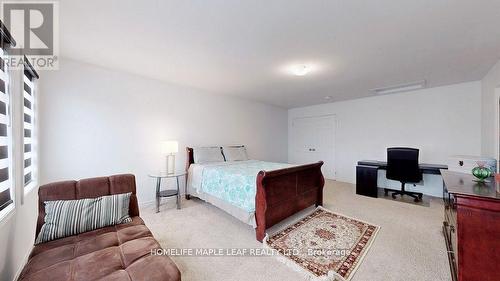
x: 120, y: 252
x: 69, y: 217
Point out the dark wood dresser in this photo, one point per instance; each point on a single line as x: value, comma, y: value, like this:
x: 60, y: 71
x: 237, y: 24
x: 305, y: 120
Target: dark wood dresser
x: 472, y: 227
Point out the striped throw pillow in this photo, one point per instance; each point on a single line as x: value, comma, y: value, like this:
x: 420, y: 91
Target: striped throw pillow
x: 70, y: 217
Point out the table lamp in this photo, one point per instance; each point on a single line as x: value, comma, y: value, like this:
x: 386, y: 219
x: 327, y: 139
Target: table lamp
x: 169, y: 148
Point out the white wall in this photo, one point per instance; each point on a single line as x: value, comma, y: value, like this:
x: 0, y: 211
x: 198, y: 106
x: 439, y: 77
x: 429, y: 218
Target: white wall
x: 489, y: 83
x: 440, y: 121
x: 97, y: 122
x: 17, y: 235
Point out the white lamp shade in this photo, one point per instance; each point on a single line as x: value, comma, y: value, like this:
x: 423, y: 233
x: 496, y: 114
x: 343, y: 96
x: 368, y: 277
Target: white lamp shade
x: 169, y: 147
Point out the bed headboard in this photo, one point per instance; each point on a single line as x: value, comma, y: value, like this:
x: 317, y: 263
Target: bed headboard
x: 189, y: 158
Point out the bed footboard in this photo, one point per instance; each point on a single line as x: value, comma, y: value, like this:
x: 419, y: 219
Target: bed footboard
x: 282, y: 193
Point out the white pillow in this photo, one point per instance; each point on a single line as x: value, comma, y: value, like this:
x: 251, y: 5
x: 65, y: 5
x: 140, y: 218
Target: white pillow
x: 207, y: 154
x: 235, y: 153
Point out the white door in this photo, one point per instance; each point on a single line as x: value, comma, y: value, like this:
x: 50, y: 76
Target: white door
x: 313, y: 139
x: 497, y: 96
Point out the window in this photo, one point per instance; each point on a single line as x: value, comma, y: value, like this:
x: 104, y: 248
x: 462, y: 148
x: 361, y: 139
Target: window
x: 6, y: 187
x: 29, y: 128
x: 17, y: 125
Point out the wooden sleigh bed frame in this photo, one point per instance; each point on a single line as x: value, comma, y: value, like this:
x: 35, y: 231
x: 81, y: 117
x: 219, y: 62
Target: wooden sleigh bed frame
x: 282, y: 193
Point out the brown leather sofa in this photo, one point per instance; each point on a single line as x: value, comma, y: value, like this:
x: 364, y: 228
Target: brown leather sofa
x: 121, y: 252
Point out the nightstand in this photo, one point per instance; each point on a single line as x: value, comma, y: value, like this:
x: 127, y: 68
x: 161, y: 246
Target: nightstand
x: 167, y: 192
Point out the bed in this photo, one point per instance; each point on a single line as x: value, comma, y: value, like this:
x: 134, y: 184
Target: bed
x: 258, y: 193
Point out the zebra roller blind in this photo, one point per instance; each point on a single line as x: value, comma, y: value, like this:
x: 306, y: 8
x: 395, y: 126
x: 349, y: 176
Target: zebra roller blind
x: 29, y: 128
x: 5, y: 137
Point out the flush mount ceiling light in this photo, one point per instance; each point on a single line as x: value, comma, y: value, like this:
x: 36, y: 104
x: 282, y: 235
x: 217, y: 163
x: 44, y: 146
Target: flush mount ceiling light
x: 328, y: 97
x: 301, y: 70
x: 401, y: 88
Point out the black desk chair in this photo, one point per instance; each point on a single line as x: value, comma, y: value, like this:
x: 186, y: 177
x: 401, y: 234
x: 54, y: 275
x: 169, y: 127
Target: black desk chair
x: 402, y: 165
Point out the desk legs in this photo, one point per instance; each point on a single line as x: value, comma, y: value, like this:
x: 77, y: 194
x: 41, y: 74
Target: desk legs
x: 158, y: 184
x: 366, y: 181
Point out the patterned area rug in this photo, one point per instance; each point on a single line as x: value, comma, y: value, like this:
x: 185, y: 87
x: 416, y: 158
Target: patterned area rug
x: 324, y: 245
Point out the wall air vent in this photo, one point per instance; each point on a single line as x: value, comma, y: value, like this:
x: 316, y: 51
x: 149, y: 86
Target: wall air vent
x: 401, y: 88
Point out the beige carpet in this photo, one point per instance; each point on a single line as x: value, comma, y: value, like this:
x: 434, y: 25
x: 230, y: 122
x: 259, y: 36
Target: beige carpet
x: 409, y: 245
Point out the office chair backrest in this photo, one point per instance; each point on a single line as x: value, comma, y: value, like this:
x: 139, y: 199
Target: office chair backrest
x: 402, y: 165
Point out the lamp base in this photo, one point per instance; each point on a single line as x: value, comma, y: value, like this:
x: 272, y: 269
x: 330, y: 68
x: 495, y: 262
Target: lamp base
x: 170, y: 164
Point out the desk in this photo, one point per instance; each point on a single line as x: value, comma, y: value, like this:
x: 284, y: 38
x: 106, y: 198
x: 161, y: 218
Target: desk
x: 367, y: 171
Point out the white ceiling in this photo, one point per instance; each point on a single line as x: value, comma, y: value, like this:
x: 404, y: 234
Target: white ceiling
x: 240, y: 47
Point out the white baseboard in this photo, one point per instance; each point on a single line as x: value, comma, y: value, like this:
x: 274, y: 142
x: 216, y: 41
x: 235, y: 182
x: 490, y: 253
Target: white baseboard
x: 24, y: 262
x: 146, y: 204
x: 153, y: 202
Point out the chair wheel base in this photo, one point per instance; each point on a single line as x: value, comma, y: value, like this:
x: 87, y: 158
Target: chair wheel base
x: 417, y: 196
